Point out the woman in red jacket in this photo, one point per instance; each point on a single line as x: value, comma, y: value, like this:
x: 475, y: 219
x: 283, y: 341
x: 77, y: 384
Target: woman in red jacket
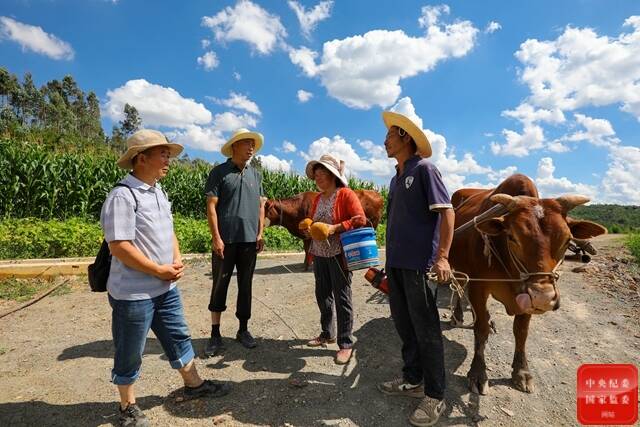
x: 339, y: 208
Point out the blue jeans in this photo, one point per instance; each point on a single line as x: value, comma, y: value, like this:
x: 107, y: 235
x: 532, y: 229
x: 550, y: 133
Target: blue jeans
x: 130, y: 324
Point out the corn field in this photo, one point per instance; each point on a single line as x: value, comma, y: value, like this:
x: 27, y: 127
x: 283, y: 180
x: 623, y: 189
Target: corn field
x: 39, y: 183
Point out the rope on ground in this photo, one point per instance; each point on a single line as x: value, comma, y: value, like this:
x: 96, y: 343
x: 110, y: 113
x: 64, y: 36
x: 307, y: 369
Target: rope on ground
x: 277, y: 315
x: 34, y: 300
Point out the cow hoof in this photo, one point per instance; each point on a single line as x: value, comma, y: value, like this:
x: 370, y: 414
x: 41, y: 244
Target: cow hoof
x: 479, y: 388
x: 478, y: 383
x: 455, y: 322
x: 523, y: 381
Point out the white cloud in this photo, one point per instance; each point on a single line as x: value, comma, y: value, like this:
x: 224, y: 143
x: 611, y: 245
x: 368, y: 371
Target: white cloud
x: 365, y: 70
x: 520, y: 144
x: 620, y: 184
x: 375, y: 163
x: 240, y: 102
x: 230, y: 122
x: 492, y: 27
x: 271, y: 162
x: 304, y: 96
x: 581, y: 68
x: 431, y: 15
x: 204, y: 138
x: 309, y: 18
x: 35, y: 39
x: 578, y: 69
x: 247, y: 22
x: 528, y: 114
x: 550, y: 186
x: 157, y: 105
x: 237, y: 76
x: 596, y: 131
x: 288, y: 147
x: 209, y: 60
x: 205, y: 43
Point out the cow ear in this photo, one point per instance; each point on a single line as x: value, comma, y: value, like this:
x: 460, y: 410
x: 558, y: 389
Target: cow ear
x: 492, y: 227
x: 585, y: 229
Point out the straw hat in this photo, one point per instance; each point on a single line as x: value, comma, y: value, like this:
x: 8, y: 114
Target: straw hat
x: 403, y: 122
x: 239, y: 135
x: 332, y: 164
x: 143, y: 140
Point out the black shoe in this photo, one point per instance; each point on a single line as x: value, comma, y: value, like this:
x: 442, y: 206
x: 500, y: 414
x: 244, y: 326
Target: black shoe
x: 246, y: 339
x: 214, y: 345
x: 132, y: 416
x: 207, y: 389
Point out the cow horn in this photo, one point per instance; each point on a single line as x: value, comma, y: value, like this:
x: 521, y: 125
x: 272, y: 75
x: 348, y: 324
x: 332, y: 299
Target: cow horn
x: 506, y: 200
x: 570, y: 202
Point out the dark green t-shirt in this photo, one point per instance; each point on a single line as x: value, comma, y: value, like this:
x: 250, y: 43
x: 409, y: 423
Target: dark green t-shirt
x: 238, y: 192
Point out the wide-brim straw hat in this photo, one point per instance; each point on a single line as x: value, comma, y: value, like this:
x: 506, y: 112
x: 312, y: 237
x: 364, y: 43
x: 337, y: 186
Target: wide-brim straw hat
x: 143, y: 140
x: 391, y: 118
x: 239, y: 135
x: 332, y: 164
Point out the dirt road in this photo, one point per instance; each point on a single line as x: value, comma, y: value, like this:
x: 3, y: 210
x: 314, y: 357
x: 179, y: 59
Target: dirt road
x: 55, y: 357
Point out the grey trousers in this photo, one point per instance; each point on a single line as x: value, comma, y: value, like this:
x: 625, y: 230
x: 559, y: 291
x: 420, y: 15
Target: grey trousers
x: 333, y: 286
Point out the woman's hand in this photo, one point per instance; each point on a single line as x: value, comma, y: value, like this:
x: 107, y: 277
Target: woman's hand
x: 358, y: 221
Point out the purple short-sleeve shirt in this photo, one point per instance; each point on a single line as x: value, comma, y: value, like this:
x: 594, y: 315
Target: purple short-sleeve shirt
x: 412, y: 222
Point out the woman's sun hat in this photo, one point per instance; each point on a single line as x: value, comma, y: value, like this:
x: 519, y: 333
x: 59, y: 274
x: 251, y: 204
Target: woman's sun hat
x: 238, y: 135
x: 332, y: 164
x: 143, y: 140
x: 391, y: 118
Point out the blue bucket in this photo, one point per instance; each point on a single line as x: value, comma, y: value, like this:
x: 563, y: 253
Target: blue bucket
x: 360, y: 248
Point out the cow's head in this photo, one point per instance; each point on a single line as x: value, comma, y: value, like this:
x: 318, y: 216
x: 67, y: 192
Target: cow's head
x: 536, y: 235
x: 272, y: 213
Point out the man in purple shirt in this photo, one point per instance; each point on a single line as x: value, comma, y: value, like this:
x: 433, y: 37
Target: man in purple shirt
x: 420, y: 222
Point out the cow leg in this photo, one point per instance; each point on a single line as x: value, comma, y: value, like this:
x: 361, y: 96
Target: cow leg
x: 520, y: 375
x: 477, y: 375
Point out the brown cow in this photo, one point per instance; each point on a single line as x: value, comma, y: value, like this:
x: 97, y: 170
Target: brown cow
x: 526, y: 244
x: 289, y: 212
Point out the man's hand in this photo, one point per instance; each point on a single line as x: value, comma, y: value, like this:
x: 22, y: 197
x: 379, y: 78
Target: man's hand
x: 442, y: 269
x: 259, y: 243
x: 218, y: 246
x: 170, y: 272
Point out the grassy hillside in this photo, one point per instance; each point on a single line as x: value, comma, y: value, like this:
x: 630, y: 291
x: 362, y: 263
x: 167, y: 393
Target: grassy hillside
x: 617, y: 218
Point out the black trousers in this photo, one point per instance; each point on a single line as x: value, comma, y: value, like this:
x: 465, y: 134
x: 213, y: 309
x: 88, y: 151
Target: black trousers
x: 333, y: 285
x: 242, y: 256
x: 415, y: 314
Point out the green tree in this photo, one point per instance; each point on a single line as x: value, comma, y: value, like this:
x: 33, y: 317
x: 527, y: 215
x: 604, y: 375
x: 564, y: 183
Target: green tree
x: 132, y: 121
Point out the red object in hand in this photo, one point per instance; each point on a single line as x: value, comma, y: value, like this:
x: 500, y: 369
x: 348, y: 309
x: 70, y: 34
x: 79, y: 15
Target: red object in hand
x: 378, y: 279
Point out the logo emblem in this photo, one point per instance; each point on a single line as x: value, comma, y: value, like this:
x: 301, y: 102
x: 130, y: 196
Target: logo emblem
x: 408, y: 181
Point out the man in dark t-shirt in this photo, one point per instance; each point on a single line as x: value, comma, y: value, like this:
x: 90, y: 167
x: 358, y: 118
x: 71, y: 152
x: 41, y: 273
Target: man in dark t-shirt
x: 420, y: 223
x: 235, y: 212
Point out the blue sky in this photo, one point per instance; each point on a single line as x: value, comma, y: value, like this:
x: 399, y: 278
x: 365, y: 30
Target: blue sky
x: 550, y: 89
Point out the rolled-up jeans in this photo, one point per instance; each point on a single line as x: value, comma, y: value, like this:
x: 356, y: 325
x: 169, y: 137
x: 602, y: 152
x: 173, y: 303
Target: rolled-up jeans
x: 130, y: 324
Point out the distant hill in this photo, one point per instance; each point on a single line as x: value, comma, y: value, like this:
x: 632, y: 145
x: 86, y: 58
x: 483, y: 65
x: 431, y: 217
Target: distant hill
x: 617, y: 218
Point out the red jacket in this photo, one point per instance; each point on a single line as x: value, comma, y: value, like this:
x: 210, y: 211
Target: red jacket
x: 347, y: 205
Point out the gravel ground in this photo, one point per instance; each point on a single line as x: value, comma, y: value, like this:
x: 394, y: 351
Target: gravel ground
x: 55, y: 356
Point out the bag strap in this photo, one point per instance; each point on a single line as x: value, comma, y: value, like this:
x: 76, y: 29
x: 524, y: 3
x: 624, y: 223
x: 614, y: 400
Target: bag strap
x: 132, y: 193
